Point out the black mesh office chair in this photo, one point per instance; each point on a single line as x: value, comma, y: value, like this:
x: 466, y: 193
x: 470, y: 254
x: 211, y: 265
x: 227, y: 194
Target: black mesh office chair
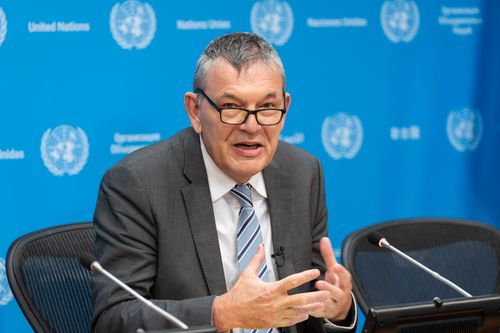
x: 47, y: 280
x: 465, y: 252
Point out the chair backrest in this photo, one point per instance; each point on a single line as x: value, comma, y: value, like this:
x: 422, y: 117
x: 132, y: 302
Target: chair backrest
x: 465, y: 252
x: 53, y: 290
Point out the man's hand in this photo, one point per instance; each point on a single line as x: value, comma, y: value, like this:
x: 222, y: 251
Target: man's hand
x: 337, y: 282
x: 253, y: 303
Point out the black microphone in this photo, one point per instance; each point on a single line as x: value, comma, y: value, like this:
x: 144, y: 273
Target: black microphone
x: 375, y: 238
x: 88, y: 261
x: 378, y: 239
x: 279, y: 262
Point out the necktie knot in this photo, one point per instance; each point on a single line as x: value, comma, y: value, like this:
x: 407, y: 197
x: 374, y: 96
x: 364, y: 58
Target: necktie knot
x: 244, y: 194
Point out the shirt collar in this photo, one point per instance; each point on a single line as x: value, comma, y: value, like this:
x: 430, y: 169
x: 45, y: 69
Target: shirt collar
x: 220, y: 183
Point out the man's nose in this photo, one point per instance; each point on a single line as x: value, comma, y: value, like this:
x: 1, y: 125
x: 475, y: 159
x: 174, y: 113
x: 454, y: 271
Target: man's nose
x: 251, y: 124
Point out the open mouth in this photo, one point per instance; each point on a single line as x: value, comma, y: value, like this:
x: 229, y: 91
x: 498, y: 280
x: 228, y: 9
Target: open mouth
x: 247, y: 146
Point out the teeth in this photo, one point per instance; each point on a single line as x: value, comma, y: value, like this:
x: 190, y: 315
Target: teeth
x: 247, y: 145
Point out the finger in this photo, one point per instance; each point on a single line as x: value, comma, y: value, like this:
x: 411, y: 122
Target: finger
x: 327, y: 253
x: 332, y: 277
x: 334, y: 291
x: 312, y: 308
x: 303, y: 299
x: 301, y: 311
x: 337, y: 295
x: 254, y: 264
x: 344, y: 278
x: 293, y: 320
x: 297, y: 279
x: 339, y: 303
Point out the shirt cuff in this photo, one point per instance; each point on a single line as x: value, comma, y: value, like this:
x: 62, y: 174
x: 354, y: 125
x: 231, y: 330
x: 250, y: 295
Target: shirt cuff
x: 350, y: 321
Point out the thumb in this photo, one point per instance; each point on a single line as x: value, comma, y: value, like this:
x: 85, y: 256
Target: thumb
x: 327, y: 253
x: 254, y: 264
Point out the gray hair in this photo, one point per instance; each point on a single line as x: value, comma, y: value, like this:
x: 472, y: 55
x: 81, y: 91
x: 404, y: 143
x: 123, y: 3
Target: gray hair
x: 240, y: 49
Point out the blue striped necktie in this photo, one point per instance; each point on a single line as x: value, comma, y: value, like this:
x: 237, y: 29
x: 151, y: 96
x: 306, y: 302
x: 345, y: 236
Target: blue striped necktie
x: 248, y: 235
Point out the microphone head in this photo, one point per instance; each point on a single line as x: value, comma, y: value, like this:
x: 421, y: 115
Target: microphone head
x: 87, y: 259
x: 375, y: 238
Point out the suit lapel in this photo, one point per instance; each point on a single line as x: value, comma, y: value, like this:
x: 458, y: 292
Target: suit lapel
x: 280, y: 211
x: 201, y: 216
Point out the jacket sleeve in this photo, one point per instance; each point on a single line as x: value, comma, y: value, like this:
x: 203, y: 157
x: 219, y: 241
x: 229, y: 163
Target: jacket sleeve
x: 126, y: 245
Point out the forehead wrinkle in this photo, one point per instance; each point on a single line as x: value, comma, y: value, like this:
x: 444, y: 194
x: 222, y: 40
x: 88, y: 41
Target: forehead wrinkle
x: 236, y: 97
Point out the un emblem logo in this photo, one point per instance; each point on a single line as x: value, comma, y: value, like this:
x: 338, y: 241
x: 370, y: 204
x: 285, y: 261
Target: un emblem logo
x: 273, y: 20
x: 64, y: 150
x: 3, y: 26
x: 464, y: 128
x: 5, y: 293
x: 132, y: 24
x: 342, y: 135
x: 400, y: 20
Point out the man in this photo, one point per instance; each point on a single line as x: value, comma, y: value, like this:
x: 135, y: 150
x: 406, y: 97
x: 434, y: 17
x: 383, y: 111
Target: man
x: 172, y: 219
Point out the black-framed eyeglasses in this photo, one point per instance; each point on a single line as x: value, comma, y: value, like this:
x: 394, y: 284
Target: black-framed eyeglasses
x: 238, y: 116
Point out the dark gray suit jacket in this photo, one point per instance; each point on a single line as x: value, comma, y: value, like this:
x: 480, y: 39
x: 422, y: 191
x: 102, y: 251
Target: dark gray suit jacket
x: 156, y: 232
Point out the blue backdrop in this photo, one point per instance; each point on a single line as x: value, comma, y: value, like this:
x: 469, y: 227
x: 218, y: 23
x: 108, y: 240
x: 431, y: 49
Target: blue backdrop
x: 399, y: 99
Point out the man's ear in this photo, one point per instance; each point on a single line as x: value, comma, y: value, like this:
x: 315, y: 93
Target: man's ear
x: 192, y: 109
x: 288, y: 101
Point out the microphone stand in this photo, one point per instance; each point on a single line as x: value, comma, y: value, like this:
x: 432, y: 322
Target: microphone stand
x: 384, y: 243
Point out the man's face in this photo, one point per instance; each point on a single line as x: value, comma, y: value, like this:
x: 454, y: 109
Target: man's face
x: 240, y: 151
